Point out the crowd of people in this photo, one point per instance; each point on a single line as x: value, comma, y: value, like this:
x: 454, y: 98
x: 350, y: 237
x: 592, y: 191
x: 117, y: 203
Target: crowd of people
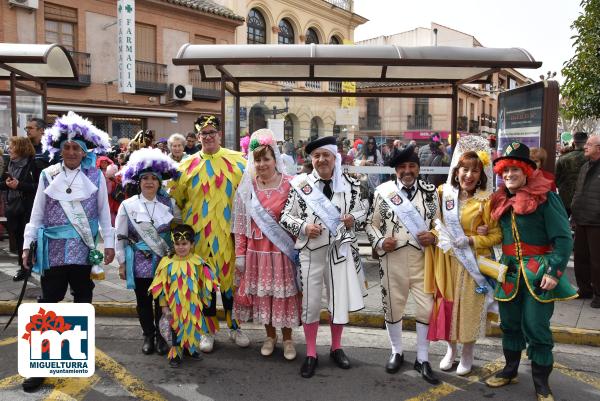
x: 187, y: 220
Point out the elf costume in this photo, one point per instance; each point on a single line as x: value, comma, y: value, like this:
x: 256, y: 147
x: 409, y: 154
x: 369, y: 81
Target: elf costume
x: 536, y: 243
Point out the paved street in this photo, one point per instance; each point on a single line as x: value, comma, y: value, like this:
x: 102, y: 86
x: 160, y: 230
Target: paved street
x: 574, y: 314
x: 230, y: 373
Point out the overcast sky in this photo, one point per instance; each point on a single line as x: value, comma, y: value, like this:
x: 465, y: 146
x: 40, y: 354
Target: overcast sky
x: 542, y: 27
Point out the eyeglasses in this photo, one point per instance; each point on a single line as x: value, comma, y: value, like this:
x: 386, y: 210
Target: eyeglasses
x: 28, y: 128
x: 209, y: 133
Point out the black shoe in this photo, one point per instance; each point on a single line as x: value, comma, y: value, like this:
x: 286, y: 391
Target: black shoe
x: 194, y: 355
x: 394, y: 363
x: 584, y: 294
x: 595, y: 302
x: 20, y: 275
x: 148, y: 347
x: 308, y: 367
x: 340, y: 358
x: 175, y: 362
x: 424, y: 368
x: 31, y: 384
x: 161, y: 345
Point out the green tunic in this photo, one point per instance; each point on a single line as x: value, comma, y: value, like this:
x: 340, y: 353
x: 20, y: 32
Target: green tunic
x: 548, y: 225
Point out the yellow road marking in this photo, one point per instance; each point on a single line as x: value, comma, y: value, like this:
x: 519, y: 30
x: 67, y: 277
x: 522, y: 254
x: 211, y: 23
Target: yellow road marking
x: 131, y: 383
x: 444, y: 389
x: 580, y: 376
x: 435, y: 393
x: 8, y: 341
x: 10, y: 381
x: 72, y: 388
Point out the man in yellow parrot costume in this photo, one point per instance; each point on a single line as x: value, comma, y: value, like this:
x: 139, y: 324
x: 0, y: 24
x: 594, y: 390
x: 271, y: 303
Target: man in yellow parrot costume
x: 204, y: 192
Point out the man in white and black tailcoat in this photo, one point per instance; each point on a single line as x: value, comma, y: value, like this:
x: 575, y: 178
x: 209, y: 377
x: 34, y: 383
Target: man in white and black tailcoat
x: 322, y: 211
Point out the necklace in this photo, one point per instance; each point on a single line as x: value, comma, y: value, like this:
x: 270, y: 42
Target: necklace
x: 151, y: 215
x: 268, y: 190
x: 69, y: 190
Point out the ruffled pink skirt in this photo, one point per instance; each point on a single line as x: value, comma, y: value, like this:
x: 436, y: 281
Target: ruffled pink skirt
x: 267, y: 291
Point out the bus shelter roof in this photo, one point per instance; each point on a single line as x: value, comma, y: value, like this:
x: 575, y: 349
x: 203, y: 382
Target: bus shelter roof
x: 360, y: 63
x: 37, y: 61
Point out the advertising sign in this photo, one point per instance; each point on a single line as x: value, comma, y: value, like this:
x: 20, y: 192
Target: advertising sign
x: 126, y: 45
x: 520, y: 116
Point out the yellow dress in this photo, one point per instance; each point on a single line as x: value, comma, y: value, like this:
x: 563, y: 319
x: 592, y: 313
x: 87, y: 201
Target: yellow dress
x: 458, y: 314
x: 204, y: 192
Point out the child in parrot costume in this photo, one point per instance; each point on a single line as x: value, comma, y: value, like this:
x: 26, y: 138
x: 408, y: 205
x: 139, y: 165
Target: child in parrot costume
x: 183, y: 284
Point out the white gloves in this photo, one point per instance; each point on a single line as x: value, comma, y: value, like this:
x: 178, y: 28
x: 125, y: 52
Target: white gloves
x: 461, y: 242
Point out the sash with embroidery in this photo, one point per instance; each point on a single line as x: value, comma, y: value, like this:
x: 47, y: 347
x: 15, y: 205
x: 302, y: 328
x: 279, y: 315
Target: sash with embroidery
x: 269, y: 226
x: 148, y: 233
x: 402, y: 208
x: 318, y: 202
x: 78, y: 219
x: 465, y: 256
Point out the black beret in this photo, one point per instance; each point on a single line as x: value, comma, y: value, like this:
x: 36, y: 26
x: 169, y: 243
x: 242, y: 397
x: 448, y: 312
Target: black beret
x: 317, y: 143
x: 580, y: 137
x: 403, y: 156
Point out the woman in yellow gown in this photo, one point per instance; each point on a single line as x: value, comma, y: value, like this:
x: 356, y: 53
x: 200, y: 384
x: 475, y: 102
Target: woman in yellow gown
x: 460, y: 308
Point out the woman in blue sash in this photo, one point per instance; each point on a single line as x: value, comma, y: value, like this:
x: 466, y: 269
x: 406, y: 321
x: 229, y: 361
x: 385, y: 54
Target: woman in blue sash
x: 143, y: 224
x: 265, y: 275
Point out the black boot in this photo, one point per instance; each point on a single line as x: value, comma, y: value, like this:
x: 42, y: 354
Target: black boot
x: 148, y: 347
x: 540, y: 376
x: 510, y: 371
x: 161, y: 345
x: 31, y: 384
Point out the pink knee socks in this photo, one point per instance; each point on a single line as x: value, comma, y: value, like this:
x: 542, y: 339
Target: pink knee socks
x: 310, y: 334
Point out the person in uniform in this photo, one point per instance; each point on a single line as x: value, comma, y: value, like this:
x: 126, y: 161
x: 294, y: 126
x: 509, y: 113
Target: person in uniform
x: 398, y: 227
x: 70, y: 206
x: 536, y: 246
x: 322, y: 211
x: 205, y: 192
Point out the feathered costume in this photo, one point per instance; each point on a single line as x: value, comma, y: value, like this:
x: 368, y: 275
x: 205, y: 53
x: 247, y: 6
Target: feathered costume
x: 205, y: 192
x: 185, y: 285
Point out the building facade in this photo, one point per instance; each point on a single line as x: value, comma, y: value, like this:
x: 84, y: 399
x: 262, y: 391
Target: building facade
x: 293, y: 22
x: 88, y: 29
x: 418, y: 118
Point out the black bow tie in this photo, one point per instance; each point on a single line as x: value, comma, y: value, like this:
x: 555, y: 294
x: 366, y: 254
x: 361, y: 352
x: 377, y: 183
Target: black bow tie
x: 327, y: 191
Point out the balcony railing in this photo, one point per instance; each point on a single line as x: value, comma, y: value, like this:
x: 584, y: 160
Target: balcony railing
x: 419, y: 121
x: 150, y: 77
x: 313, y: 85
x: 369, y: 123
x: 486, y: 120
x: 345, y: 4
x: 335, y: 86
x: 462, y: 123
x: 84, y: 69
x: 204, y: 90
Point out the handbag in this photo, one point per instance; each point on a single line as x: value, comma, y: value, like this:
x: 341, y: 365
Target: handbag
x: 16, y: 207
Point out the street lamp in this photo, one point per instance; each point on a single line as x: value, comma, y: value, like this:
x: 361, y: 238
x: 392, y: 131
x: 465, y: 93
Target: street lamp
x: 285, y: 109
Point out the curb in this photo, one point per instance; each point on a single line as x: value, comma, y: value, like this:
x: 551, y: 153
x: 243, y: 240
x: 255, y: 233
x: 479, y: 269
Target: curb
x: 561, y: 334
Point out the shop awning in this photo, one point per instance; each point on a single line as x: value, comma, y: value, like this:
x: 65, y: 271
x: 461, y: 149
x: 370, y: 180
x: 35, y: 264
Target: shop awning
x: 41, y: 61
x: 361, y: 63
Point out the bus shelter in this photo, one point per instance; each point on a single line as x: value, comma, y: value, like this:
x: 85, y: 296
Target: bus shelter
x: 24, y: 71
x: 386, y: 67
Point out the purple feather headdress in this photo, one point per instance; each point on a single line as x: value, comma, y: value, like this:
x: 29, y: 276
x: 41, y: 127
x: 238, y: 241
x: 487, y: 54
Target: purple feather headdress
x: 148, y: 160
x: 74, y: 127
